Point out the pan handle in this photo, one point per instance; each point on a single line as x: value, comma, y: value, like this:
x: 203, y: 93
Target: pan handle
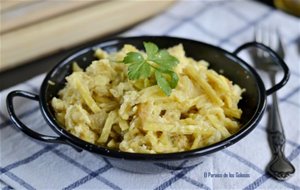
x: 21, y: 126
x: 276, y: 59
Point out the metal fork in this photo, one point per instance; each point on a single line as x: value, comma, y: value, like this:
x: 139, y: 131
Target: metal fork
x: 279, y: 167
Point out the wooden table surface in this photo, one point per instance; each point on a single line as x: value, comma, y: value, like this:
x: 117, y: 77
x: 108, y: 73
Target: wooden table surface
x: 36, y: 34
x: 30, y: 69
x: 23, y: 67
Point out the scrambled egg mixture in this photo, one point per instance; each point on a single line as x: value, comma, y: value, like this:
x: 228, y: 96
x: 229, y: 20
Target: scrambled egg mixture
x: 102, y: 106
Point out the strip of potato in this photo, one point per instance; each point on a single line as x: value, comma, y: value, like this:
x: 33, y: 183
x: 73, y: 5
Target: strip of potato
x: 228, y: 101
x: 111, y: 119
x: 197, y: 140
x: 76, y: 68
x: 123, y: 124
x: 152, y: 138
x: 171, y: 128
x: 203, y: 84
x: 154, y: 126
x: 233, y: 112
x: 217, y: 79
x: 112, y: 144
x: 215, y: 122
x: 165, y: 139
x: 232, y: 126
x: 84, y: 92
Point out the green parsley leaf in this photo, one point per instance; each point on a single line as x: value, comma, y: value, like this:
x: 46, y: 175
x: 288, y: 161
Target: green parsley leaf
x: 139, y: 70
x: 163, y: 83
x: 165, y: 60
x: 174, y: 79
x: 158, y: 60
x: 151, y: 49
x: 133, y: 57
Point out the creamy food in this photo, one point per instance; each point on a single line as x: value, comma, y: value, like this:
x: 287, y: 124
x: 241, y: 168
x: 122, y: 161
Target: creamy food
x: 102, y: 106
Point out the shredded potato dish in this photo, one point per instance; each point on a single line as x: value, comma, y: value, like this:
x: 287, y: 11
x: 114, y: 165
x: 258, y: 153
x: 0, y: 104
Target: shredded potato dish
x: 102, y: 106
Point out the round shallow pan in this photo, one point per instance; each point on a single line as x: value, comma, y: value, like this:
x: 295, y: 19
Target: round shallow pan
x: 229, y: 64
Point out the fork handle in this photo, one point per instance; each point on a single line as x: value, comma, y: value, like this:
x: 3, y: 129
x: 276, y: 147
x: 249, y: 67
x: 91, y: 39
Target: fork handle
x: 279, y: 167
x: 276, y: 133
x: 275, y: 58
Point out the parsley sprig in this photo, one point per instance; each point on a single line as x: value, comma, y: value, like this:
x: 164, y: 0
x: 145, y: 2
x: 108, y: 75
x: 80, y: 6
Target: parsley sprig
x: 159, y: 62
